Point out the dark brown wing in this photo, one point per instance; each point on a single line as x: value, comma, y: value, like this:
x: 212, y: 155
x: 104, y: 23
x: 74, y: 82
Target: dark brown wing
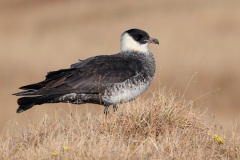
x: 88, y: 76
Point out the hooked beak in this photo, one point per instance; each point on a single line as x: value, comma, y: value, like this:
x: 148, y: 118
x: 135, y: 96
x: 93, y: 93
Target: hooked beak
x: 153, y: 40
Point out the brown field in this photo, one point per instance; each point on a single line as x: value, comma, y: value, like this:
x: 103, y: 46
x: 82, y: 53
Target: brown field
x: 198, y: 55
x: 163, y: 127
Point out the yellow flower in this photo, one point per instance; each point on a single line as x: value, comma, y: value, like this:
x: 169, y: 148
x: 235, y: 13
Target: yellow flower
x: 133, y: 147
x: 54, y: 153
x: 66, y: 148
x: 220, y: 140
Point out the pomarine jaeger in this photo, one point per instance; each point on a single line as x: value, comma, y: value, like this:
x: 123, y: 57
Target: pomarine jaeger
x: 104, y: 79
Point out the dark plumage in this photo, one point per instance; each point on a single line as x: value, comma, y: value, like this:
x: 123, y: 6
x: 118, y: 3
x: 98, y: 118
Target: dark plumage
x: 103, y: 79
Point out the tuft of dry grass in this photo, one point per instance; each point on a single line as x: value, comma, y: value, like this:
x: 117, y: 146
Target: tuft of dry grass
x: 163, y: 127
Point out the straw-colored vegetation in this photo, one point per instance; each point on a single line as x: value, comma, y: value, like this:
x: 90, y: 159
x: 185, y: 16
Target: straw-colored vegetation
x: 163, y: 127
x: 37, y: 36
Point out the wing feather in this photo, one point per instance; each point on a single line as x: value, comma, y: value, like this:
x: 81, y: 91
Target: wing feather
x: 92, y: 75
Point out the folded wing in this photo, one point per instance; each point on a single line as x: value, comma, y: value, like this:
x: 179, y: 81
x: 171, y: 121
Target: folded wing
x: 92, y: 75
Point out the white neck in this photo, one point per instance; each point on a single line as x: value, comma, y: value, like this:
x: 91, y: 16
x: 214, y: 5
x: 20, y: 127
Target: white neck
x: 128, y: 44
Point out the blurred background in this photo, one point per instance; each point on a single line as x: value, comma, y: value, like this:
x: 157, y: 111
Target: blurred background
x: 198, y: 55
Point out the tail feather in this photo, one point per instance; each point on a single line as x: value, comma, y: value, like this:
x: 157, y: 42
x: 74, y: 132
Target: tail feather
x: 26, y: 103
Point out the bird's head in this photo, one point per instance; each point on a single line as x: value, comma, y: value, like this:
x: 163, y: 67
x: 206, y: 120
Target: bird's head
x: 136, y: 40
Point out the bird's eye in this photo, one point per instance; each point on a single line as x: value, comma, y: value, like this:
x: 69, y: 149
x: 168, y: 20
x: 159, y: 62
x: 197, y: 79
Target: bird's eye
x: 138, y: 37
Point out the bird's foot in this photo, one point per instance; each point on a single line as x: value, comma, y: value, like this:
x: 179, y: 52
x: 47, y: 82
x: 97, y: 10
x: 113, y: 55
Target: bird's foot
x: 106, y: 110
x: 115, y: 108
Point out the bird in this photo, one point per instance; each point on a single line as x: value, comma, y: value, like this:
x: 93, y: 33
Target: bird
x: 106, y: 80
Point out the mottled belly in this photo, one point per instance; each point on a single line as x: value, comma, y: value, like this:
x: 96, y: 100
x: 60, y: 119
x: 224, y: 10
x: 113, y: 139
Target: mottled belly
x: 121, y: 93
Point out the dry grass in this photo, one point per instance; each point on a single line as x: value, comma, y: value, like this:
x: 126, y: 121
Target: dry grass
x: 163, y: 127
x: 38, y: 36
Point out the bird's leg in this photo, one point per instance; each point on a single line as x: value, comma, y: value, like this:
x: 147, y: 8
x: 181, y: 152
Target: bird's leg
x: 106, y: 109
x: 115, y: 108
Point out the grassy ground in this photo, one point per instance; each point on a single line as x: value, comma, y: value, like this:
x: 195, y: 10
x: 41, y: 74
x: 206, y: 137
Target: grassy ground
x: 163, y: 127
x: 195, y: 36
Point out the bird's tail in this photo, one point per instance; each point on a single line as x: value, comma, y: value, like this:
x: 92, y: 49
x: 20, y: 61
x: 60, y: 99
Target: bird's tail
x: 26, y: 103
